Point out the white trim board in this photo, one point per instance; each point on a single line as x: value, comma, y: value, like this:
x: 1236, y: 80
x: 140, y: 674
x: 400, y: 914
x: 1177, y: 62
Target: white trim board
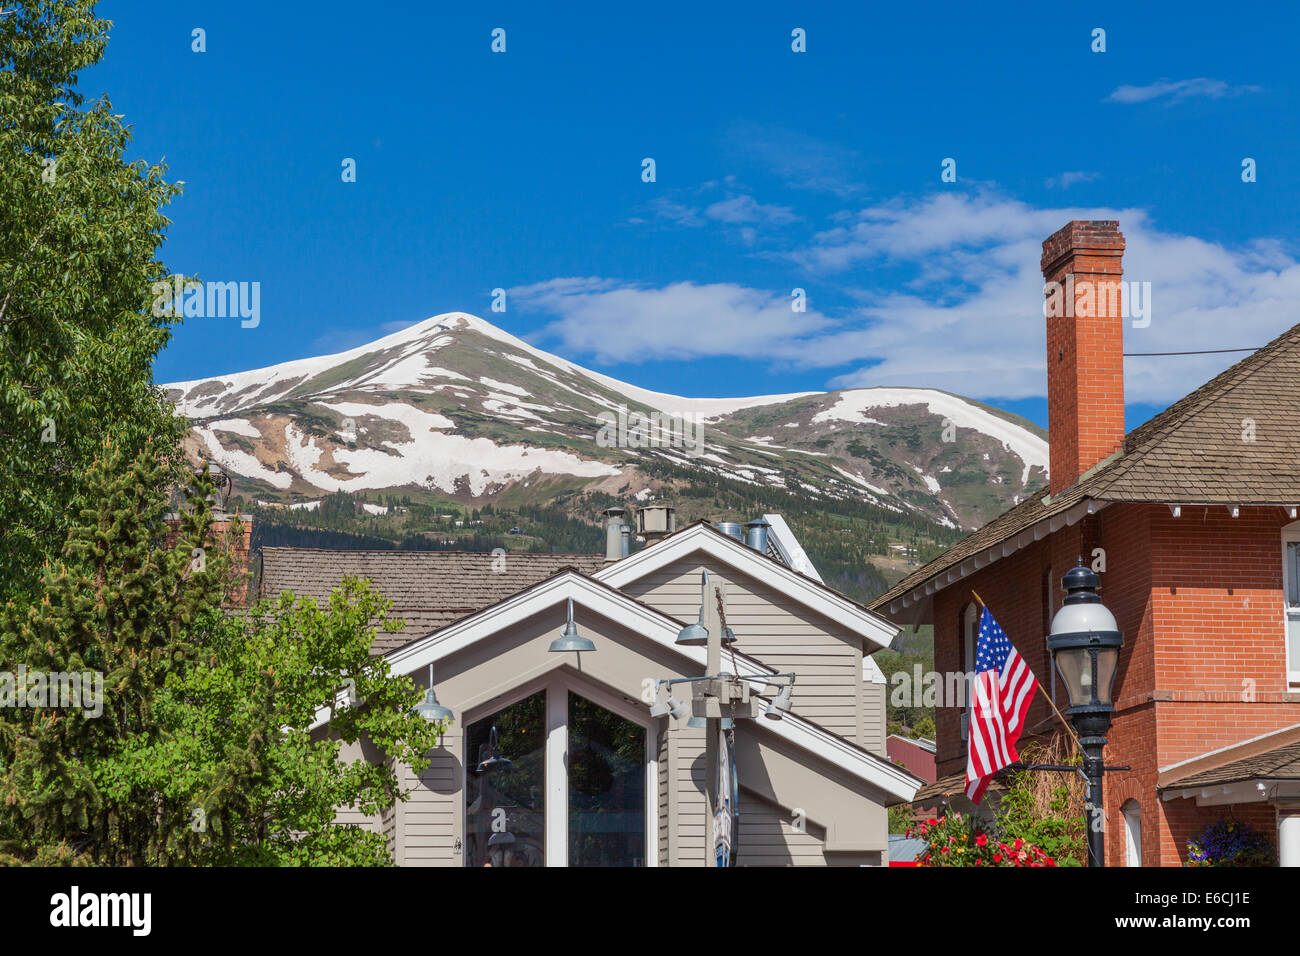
x: 600, y: 599
x: 703, y: 539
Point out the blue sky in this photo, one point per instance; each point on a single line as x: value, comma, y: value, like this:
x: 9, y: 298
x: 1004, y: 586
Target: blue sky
x: 775, y: 170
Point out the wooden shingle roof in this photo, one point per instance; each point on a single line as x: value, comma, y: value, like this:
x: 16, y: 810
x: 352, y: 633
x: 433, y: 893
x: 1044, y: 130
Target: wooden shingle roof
x: 429, y: 589
x: 1273, y: 756
x: 1232, y: 441
x: 1280, y: 764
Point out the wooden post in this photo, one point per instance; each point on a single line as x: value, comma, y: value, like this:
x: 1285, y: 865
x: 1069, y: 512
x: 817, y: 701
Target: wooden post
x: 713, y: 725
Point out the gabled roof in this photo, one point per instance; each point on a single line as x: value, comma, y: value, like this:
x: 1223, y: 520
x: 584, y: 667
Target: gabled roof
x: 701, y: 537
x: 1193, y: 452
x: 653, y: 625
x: 429, y: 589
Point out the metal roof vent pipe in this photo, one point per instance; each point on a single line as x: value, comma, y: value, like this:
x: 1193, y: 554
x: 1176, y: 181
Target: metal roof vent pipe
x: 615, y: 541
x: 655, y: 522
x: 731, y: 528
x: 756, y: 535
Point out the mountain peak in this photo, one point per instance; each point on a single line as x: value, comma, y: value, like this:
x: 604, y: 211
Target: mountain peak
x: 457, y: 406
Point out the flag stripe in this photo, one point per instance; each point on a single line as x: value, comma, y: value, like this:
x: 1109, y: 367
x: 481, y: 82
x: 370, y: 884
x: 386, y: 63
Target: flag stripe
x: 1002, y: 690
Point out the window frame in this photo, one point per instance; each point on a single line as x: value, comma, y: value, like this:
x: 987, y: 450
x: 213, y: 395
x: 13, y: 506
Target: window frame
x: 1290, y: 536
x: 557, y: 687
x: 1131, y: 811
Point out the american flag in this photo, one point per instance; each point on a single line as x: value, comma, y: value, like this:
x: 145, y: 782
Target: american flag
x: 1003, y: 689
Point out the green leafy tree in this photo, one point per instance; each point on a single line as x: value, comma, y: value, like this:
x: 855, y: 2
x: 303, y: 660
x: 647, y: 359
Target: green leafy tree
x: 78, y: 259
x: 251, y: 782
x: 201, y: 750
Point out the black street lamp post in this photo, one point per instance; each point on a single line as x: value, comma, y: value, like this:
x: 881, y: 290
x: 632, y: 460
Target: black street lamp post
x: 1085, y: 642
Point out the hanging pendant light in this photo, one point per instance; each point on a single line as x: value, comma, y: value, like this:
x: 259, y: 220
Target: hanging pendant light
x: 571, y: 640
x: 430, y: 709
x: 693, y: 635
x: 696, y: 635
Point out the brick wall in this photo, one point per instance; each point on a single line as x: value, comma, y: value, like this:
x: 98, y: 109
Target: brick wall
x: 239, y: 546
x: 1199, y: 600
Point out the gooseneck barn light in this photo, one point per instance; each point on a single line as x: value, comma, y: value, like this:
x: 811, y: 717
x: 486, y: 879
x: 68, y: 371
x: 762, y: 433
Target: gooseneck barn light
x: 429, y: 708
x: 571, y: 640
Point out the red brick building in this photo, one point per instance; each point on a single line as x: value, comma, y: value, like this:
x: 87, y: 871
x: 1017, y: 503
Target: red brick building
x: 1191, y: 521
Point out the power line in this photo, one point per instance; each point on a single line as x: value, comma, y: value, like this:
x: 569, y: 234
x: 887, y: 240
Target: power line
x: 1201, y: 352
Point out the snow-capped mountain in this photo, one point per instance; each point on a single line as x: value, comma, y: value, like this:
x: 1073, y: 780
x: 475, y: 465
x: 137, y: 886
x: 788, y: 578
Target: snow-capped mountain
x: 455, y: 405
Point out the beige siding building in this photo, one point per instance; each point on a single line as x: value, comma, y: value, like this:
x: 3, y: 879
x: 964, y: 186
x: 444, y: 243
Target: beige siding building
x: 562, y: 757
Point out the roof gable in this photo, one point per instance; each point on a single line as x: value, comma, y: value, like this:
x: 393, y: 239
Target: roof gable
x: 703, y: 539
x: 651, y: 625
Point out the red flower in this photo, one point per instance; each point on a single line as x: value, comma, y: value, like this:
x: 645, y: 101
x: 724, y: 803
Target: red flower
x: 981, y: 840
x: 997, y: 857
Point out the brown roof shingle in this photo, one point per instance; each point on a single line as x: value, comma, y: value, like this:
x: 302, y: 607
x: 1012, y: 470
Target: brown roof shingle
x: 429, y: 589
x: 1274, y: 756
x: 1280, y: 764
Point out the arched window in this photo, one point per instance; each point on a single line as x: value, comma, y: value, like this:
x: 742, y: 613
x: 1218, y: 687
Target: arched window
x: 1132, y: 833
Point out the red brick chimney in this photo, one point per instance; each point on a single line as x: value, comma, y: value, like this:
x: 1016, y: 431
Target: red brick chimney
x: 1082, y: 271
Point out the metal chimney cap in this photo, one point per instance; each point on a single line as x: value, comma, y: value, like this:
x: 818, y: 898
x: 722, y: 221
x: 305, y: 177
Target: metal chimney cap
x: 731, y: 529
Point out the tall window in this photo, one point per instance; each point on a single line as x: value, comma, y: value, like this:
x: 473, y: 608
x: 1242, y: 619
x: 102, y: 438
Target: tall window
x: 1291, y: 584
x: 556, y: 779
x: 1132, y: 833
x: 505, y: 786
x: 606, y: 787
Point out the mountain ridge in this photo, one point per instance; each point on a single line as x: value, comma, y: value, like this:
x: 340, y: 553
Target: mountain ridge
x: 456, y: 406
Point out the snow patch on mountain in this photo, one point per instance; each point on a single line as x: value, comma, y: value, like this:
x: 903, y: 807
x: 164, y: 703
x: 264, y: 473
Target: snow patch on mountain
x: 1028, y: 447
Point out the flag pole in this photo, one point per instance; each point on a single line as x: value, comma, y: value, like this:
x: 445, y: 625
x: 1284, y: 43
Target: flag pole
x: 1064, y: 723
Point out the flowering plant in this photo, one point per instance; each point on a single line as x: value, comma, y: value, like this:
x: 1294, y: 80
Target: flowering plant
x: 963, y: 841
x: 1230, y: 843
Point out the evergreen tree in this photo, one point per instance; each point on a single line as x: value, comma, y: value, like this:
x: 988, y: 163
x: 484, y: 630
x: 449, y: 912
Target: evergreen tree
x: 122, y: 603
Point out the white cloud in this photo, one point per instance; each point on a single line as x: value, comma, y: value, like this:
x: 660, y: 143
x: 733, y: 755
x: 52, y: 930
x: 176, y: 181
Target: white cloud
x: 745, y: 209
x: 1068, y: 179
x: 624, y: 322
x: 801, y: 160
x: 972, y: 321
x: 1178, y: 90
x: 949, y: 296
